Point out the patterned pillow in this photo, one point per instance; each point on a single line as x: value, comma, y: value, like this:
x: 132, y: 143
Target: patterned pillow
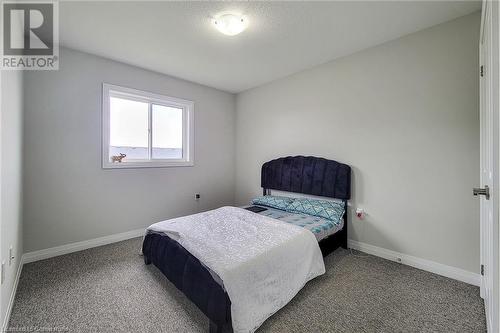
x: 273, y: 201
x: 330, y: 210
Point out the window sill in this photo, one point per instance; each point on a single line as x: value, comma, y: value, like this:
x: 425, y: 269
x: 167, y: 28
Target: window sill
x: 153, y: 164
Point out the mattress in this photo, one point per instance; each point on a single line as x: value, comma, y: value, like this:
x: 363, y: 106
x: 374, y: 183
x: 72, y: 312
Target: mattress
x: 198, y: 282
x: 263, y: 262
x: 320, y: 227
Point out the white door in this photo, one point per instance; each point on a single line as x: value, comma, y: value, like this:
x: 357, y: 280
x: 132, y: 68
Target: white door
x: 486, y: 163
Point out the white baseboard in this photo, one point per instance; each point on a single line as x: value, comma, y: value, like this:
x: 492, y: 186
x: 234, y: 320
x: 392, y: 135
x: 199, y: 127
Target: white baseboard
x: 79, y: 246
x: 424, y: 264
x: 8, y: 311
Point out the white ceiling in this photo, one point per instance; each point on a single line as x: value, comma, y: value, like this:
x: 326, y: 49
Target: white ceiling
x: 177, y: 38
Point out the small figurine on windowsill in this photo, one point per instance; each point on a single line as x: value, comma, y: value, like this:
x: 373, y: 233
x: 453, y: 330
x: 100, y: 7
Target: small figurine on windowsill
x: 118, y: 158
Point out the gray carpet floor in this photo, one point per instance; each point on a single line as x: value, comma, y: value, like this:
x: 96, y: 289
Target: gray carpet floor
x: 109, y: 289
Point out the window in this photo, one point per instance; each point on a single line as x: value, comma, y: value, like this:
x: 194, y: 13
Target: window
x: 142, y: 129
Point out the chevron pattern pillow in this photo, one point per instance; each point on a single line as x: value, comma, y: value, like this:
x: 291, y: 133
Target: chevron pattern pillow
x: 330, y: 210
x: 273, y: 201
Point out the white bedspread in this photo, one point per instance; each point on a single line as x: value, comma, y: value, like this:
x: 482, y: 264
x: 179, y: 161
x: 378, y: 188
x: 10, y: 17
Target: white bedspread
x: 262, y: 262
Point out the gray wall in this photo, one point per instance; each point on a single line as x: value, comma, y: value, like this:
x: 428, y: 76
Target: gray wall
x: 11, y: 178
x: 405, y: 116
x: 69, y: 198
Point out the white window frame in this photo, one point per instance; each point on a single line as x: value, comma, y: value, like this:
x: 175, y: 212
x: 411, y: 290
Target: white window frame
x: 110, y: 90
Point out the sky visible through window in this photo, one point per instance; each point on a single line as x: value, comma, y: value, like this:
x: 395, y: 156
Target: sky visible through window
x: 129, y: 124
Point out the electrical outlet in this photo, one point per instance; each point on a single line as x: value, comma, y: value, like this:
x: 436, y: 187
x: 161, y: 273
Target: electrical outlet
x: 360, y: 213
x: 197, y: 196
x: 11, y: 255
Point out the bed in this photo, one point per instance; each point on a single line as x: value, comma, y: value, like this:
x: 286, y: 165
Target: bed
x: 298, y: 174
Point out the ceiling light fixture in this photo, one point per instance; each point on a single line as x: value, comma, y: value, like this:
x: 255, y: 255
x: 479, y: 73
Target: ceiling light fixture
x: 230, y: 24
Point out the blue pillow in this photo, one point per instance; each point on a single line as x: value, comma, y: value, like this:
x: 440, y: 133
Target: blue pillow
x: 330, y: 210
x: 273, y: 201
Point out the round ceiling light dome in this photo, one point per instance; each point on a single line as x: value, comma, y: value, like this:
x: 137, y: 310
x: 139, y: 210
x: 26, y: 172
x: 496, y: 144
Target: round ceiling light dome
x: 230, y: 24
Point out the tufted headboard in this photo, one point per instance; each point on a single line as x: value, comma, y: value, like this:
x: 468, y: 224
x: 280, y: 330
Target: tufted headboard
x: 308, y: 175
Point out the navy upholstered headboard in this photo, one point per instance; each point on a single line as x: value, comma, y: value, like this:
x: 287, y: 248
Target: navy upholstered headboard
x: 308, y: 175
